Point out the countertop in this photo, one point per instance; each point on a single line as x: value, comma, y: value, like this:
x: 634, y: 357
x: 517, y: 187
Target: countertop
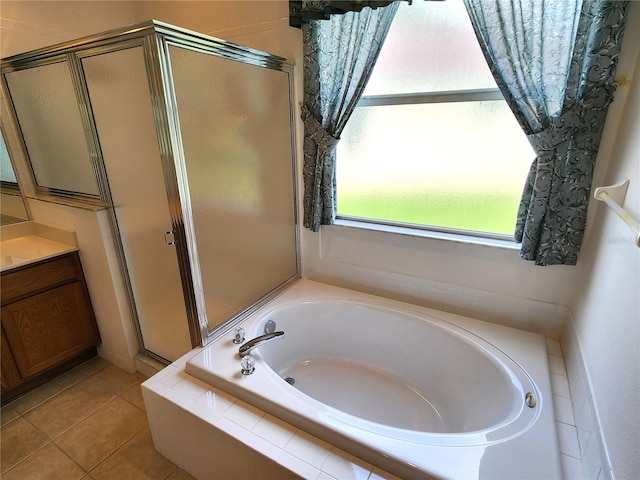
x: 30, y: 242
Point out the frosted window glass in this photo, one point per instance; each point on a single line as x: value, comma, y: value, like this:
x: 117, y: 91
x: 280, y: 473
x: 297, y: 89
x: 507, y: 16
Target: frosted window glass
x: 6, y: 169
x: 430, y: 47
x: 236, y: 134
x: 47, y: 109
x: 458, y: 165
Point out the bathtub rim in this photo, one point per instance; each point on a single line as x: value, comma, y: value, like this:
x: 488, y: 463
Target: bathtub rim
x: 513, y: 425
x: 528, y: 349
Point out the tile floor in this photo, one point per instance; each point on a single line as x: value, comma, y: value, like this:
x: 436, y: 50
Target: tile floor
x: 87, y: 424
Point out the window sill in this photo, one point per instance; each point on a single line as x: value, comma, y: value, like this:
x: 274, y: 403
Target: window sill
x: 467, y: 239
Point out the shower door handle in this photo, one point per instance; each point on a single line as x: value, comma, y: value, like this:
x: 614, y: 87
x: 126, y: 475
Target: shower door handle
x: 170, y: 238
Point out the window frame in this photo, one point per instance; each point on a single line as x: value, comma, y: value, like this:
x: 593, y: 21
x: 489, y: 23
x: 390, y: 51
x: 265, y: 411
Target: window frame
x: 423, y: 230
x: 482, y: 94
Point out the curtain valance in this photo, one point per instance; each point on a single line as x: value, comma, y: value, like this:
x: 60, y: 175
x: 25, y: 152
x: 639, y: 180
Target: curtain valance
x: 304, y: 11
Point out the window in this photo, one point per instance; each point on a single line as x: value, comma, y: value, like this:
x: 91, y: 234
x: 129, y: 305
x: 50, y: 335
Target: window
x: 432, y: 143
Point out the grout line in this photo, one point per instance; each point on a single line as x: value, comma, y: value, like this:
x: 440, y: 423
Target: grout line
x: 47, y: 398
x: 51, y: 442
x: 24, y: 459
x: 115, y: 450
x: 74, y: 424
x: 86, y: 472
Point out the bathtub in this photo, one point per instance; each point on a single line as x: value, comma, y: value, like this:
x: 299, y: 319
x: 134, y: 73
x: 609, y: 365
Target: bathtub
x: 418, y: 392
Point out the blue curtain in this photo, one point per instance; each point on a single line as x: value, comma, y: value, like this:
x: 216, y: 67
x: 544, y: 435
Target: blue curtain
x: 554, y: 61
x: 339, y: 55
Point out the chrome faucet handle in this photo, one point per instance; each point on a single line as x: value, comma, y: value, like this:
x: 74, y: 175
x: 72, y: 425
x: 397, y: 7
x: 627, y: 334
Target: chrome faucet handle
x: 247, y: 365
x: 238, y: 335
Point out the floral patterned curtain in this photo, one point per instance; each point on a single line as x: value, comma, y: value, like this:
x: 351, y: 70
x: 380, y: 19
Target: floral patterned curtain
x: 555, y: 62
x: 339, y: 55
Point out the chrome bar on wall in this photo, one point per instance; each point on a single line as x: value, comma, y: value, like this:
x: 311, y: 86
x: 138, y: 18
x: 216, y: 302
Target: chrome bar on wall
x: 613, y: 196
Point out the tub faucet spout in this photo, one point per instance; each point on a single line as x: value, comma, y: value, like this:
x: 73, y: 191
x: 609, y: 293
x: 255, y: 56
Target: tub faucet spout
x: 246, y: 348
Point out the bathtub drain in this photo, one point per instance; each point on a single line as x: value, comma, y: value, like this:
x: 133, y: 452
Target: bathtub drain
x: 290, y: 380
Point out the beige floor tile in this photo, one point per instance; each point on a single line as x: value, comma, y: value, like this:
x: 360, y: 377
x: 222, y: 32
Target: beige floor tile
x: 48, y: 463
x: 8, y: 414
x: 92, y: 366
x: 94, y: 438
x: 46, y: 391
x: 18, y: 440
x: 69, y: 407
x: 179, y: 474
x: 134, y: 396
x: 136, y: 459
x: 116, y: 379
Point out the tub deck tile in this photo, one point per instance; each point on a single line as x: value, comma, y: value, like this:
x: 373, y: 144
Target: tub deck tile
x: 233, y: 429
x: 275, y: 431
x: 309, y: 449
x: 563, y: 410
x: 379, y: 474
x: 192, y: 387
x: 217, y: 400
x: 340, y: 464
x: 299, y: 467
x: 243, y: 414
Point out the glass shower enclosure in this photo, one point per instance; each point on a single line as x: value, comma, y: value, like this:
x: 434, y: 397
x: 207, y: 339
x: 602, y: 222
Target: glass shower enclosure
x: 188, y: 142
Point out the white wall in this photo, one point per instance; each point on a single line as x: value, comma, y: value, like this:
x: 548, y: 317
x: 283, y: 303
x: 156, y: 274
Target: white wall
x: 602, y: 340
x: 27, y: 25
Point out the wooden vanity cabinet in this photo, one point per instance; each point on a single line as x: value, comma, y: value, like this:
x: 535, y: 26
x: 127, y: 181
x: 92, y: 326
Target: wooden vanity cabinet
x: 48, y: 323
x: 10, y: 376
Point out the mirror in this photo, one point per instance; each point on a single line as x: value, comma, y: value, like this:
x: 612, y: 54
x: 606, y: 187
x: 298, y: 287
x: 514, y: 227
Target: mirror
x: 12, y: 207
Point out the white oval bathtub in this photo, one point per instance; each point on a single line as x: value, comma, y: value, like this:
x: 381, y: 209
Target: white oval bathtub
x: 400, y: 371
x: 401, y: 386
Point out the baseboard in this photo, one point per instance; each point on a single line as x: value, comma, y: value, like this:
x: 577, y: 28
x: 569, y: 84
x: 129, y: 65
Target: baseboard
x: 147, y: 365
x: 126, y: 363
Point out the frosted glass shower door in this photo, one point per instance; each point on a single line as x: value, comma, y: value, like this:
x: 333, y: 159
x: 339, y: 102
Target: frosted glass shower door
x: 121, y: 103
x: 235, y: 125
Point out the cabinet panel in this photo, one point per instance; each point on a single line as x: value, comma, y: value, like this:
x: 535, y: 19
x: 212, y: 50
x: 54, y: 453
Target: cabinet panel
x: 10, y: 375
x: 33, y: 278
x: 48, y: 328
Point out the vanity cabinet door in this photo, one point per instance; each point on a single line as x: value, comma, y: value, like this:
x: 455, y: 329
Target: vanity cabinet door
x: 48, y: 328
x: 10, y: 375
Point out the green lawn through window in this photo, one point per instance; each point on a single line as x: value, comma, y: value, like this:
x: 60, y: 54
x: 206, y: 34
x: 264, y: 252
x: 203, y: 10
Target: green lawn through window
x: 487, y: 211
